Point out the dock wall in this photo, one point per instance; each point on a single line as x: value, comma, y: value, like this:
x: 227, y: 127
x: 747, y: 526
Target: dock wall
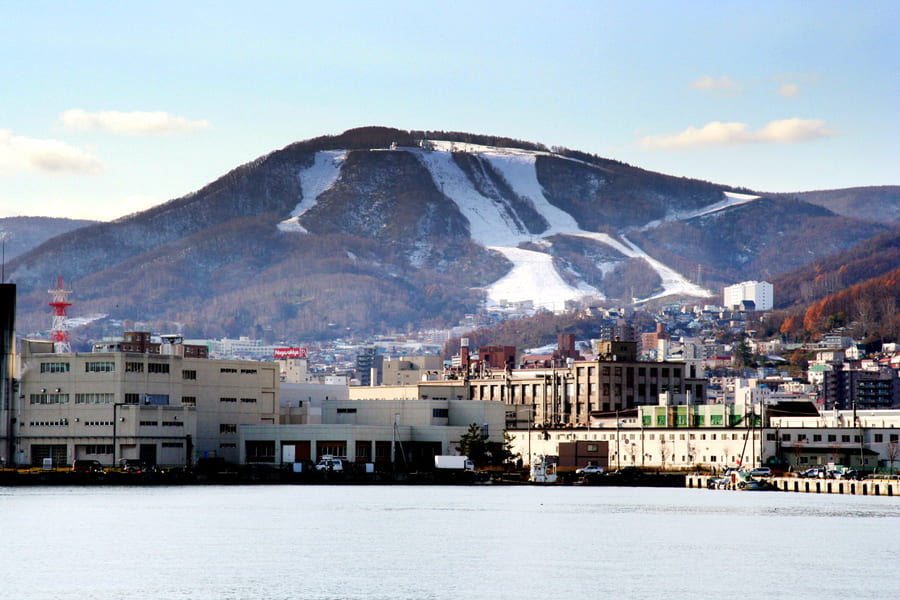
x: 868, y: 487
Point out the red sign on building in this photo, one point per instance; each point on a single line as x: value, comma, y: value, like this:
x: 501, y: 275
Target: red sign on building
x: 290, y: 353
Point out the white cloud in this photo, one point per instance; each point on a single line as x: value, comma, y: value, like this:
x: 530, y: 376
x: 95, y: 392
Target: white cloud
x: 130, y: 123
x: 784, y: 131
x: 715, y: 84
x: 788, y: 90
x: 46, y: 156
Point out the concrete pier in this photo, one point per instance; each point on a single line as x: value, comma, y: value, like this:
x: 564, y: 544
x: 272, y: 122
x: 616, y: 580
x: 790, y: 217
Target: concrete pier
x: 867, y: 487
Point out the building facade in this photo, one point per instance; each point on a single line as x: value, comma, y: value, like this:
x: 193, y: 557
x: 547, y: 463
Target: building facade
x: 374, y: 431
x: 759, y: 292
x: 568, y: 396
x: 165, y: 408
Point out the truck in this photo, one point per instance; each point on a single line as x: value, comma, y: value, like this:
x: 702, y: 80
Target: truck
x: 453, y: 463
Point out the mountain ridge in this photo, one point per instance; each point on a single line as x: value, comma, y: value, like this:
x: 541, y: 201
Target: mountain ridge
x: 429, y: 228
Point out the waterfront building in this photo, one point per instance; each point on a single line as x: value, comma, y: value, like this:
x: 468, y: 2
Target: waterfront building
x: 793, y: 435
x: 411, y: 431
x: 160, y: 404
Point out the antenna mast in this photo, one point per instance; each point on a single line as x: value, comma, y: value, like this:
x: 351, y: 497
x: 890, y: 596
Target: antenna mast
x: 60, y: 332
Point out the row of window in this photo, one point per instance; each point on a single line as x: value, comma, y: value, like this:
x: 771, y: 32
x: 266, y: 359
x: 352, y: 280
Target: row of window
x: 641, y: 371
x: 94, y: 449
x: 817, y: 437
x: 94, y: 398
x: 244, y: 400
x: 57, y: 423
x: 45, y: 398
x: 108, y: 366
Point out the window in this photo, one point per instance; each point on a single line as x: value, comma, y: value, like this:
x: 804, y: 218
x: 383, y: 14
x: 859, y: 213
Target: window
x: 440, y: 413
x: 593, y: 448
x: 94, y: 398
x: 845, y: 438
x: 189, y: 374
x: 248, y: 371
x: 770, y: 437
x: 44, y: 398
x: 801, y: 437
x: 54, y: 367
x: 149, y: 423
x: 172, y: 424
x: 253, y: 401
x: 227, y: 370
x: 134, y: 367
x: 189, y: 401
x: 173, y: 444
x: 785, y: 437
x: 879, y: 437
x: 103, y: 366
x: 894, y: 437
x: 665, y: 372
x: 227, y: 399
x: 260, y: 451
x: 832, y: 438
x: 157, y: 367
x: 93, y: 449
x: 227, y: 445
x: 156, y: 399
x: 132, y: 398
x: 227, y: 428
x: 98, y: 423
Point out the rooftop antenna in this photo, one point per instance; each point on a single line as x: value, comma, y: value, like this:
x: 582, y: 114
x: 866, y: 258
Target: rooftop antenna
x: 60, y: 331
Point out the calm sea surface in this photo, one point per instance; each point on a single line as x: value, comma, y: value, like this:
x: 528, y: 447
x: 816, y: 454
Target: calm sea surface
x: 387, y: 542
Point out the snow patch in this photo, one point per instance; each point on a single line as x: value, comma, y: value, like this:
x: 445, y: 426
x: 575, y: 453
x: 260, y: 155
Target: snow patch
x: 533, y: 277
x: 314, y: 180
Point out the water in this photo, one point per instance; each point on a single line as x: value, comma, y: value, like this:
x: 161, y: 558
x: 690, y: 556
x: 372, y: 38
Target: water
x: 480, y: 542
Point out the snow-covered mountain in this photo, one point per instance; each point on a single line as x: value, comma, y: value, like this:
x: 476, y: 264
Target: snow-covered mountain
x: 381, y: 228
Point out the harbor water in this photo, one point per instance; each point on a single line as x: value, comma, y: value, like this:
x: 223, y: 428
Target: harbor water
x: 432, y: 542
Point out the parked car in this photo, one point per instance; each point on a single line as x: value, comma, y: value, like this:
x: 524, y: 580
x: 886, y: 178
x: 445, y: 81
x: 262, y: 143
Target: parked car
x: 761, y: 472
x: 329, y: 463
x: 133, y: 465
x: 853, y: 474
x: 590, y: 470
x: 814, y: 473
x: 87, y: 466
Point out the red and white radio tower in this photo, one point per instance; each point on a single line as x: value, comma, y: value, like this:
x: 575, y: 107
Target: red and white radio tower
x: 60, y: 333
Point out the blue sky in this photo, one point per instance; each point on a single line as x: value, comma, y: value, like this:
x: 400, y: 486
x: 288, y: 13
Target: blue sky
x: 110, y: 108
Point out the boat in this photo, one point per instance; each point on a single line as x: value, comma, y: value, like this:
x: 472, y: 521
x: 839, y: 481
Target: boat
x: 543, y: 470
x: 740, y: 480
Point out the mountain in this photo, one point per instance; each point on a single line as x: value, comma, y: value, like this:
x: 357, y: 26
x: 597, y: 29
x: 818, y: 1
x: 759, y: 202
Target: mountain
x: 379, y: 229
x: 880, y: 204
x: 25, y: 233
x: 832, y: 273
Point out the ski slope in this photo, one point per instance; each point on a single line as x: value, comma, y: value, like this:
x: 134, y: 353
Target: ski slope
x: 494, y: 223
